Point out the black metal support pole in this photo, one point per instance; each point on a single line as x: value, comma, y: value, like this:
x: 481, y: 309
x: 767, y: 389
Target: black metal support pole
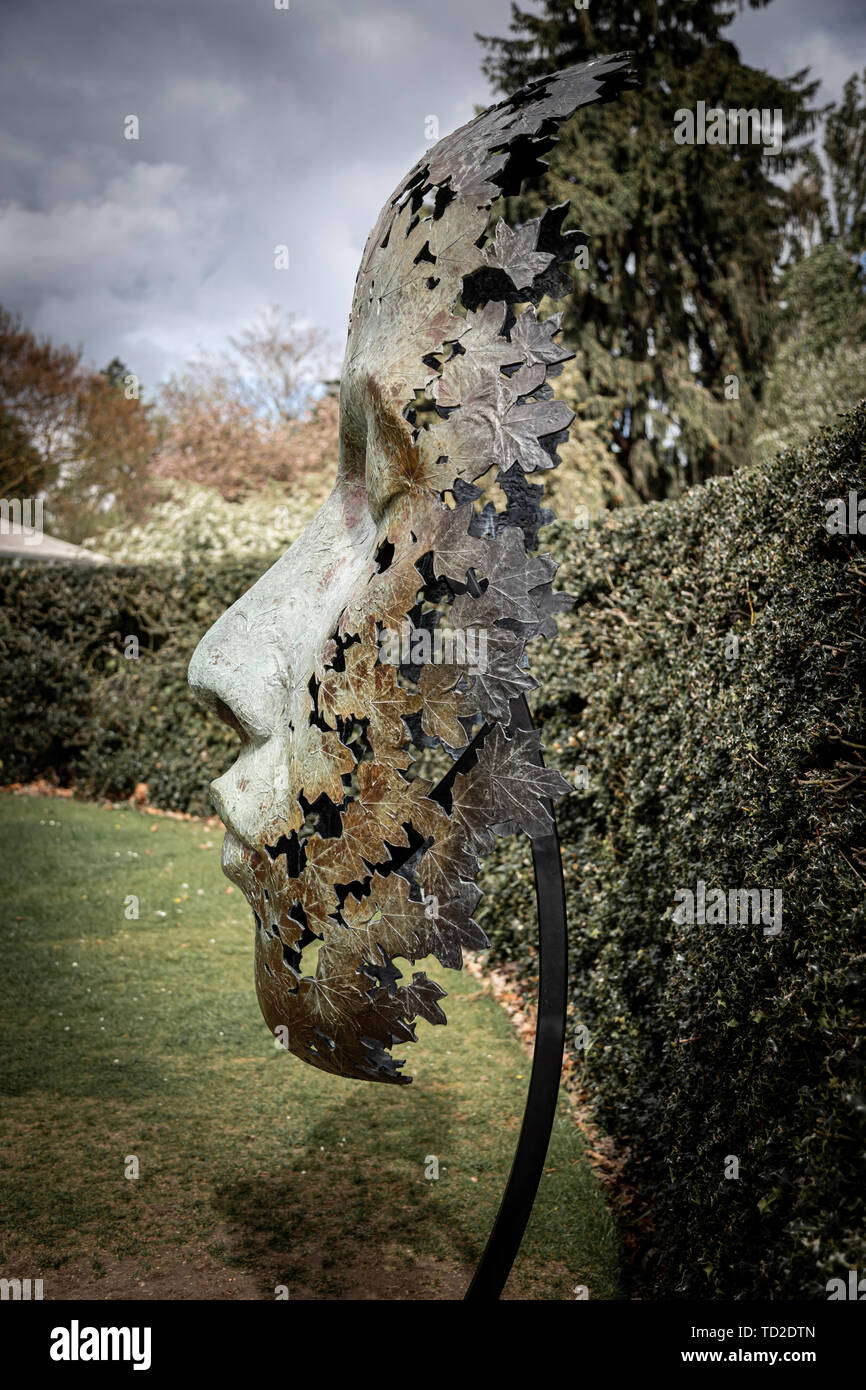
x: 541, y: 1099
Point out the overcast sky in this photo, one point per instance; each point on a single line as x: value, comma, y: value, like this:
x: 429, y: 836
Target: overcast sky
x: 257, y: 127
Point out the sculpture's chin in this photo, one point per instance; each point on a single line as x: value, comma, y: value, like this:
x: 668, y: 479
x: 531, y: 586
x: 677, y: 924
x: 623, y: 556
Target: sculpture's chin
x: 240, y: 864
x: 322, y: 1004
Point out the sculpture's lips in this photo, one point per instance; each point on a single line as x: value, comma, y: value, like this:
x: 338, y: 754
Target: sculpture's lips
x: 236, y: 848
x: 238, y: 859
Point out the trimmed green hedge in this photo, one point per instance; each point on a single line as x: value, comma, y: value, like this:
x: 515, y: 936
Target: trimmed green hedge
x: 744, y: 770
x: 73, y: 705
x: 712, y: 1042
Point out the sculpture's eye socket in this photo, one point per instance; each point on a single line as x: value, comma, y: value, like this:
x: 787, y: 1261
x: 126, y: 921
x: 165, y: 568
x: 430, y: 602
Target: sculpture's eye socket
x: 353, y: 433
x: 376, y: 445
x: 391, y: 456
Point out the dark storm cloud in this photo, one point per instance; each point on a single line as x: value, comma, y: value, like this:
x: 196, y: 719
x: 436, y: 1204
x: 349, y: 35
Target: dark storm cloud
x: 257, y: 127
x: 828, y: 36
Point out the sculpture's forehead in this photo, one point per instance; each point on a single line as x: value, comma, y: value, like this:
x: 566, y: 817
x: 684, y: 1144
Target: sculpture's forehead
x: 428, y: 242
x: 470, y: 168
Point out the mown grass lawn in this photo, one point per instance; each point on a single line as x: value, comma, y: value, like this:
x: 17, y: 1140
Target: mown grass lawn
x: 142, y: 1039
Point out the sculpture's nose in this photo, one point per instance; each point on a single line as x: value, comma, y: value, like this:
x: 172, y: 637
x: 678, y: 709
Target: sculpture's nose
x: 233, y: 672
x: 254, y: 666
x: 220, y: 674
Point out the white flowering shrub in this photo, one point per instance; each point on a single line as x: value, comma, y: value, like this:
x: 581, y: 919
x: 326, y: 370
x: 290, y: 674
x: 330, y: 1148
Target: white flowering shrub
x: 196, y: 523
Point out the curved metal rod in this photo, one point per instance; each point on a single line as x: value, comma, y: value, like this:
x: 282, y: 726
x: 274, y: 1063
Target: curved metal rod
x: 538, y: 1116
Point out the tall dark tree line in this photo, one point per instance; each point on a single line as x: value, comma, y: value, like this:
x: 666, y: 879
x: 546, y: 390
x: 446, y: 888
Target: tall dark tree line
x: 674, y: 320
x: 819, y: 370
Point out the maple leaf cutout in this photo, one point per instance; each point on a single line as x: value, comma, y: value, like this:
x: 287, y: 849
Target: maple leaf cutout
x: 443, y: 704
x: 513, y: 250
x: 508, y: 784
x: 323, y: 762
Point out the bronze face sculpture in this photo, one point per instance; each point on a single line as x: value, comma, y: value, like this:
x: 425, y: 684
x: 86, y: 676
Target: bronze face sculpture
x: 401, y: 616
